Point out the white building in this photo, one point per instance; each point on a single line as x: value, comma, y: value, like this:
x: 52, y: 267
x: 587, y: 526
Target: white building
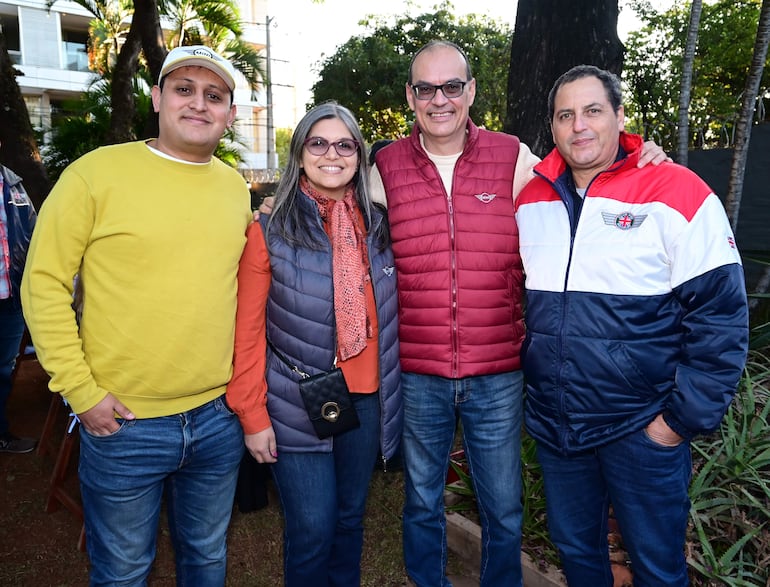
x: 50, y: 49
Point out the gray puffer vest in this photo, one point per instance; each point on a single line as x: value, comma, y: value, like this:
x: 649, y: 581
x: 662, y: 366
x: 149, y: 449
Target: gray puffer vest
x: 301, y: 325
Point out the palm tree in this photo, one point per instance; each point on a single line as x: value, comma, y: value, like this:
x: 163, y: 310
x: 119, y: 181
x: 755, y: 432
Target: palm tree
x: 116, y: 50
x: 686, y: 85
x: 746, y: 115
x: 107, y: 32
x: 217, y: 24
x: 743, y: 133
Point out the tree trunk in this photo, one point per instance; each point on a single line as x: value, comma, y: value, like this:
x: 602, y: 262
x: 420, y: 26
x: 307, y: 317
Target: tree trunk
x: 551, y: 36
x: 18, y: 148
x: 744, y: 123
x: 122, y: 97
x: 144, y: 33
x: 683, y: 143
x: 154, y: 48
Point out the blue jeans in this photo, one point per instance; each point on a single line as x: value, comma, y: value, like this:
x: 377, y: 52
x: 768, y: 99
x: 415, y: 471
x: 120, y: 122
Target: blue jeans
x: 193, y: 459
x: 11, y: 331
x: 490, y: 410
x: 323, y: 497
x: 646, y: 483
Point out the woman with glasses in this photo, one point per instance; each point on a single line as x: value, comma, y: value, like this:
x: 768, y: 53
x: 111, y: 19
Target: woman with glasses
x: 317, y: 284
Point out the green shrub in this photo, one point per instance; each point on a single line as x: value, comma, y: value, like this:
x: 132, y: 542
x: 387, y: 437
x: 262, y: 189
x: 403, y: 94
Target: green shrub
x: 729, y: 542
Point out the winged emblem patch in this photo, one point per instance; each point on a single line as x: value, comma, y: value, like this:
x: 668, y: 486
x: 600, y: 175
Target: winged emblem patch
x: 624, y: 220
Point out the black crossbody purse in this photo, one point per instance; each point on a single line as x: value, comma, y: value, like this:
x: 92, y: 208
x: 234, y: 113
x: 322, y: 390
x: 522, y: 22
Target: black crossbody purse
x: 327, y: 399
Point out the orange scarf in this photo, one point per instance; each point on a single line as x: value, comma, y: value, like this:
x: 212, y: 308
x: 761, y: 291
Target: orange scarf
x: 350, y: 268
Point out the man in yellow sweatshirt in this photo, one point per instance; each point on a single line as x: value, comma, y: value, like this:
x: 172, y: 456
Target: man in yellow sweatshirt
x: 154, y: 230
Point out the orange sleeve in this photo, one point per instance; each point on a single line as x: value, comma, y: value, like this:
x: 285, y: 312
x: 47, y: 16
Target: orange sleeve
x: 247, y: 390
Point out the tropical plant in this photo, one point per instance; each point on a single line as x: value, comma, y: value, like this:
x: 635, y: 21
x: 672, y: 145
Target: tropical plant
x: 463, y: 487
x: 217, y: 24
x: 191, y: 20
x: 106, y: 32
x: 730, y: 489
x: 536, y: 542
x: 83, y: 124
x: 685, y: 86
x: 18, y: 147
x: 282, y: 144
x: 729, y: 534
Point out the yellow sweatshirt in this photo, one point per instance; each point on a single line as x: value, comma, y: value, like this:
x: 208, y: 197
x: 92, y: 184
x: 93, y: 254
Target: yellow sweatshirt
x: 157, y: 244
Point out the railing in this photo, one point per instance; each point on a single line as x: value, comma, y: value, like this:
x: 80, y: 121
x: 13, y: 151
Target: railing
x: 76, y: 56
x: 261, y: 176
x: 262, y: 183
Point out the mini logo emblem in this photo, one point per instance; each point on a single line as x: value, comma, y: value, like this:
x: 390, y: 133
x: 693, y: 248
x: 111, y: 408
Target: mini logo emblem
x: 731, y: 242
x: 624, y: 220
x: 388, y: 270
x: 485, y: 197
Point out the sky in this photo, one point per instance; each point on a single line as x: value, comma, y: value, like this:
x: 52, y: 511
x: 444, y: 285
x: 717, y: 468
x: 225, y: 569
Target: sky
x: 303, y: 32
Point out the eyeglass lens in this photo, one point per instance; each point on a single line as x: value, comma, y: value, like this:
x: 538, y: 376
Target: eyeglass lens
x: 450, y: 90
x: 319, y: 146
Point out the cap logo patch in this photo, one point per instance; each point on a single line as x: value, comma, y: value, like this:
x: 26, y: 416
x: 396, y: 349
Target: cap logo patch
x: 204, y: 53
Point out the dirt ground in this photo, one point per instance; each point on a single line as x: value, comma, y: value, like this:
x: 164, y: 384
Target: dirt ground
x: 38, y: 548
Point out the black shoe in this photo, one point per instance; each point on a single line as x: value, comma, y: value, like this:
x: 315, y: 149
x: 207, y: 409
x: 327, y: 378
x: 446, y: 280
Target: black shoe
x: 13, y: 444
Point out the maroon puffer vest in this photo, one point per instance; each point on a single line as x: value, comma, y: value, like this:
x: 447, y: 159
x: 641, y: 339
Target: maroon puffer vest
x: 460, y: 278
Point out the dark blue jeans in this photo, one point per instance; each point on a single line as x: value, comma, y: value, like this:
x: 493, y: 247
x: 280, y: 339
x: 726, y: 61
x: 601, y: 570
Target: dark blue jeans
x: 323, y: 497
x: 193, y: 458
x: 646, y: 483
x: 490, y: 409
x: 11, y: 331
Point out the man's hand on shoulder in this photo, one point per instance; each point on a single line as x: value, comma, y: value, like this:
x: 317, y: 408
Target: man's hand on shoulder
x: 652, y: 153
x: 100, y: 420
x: 264, y: 208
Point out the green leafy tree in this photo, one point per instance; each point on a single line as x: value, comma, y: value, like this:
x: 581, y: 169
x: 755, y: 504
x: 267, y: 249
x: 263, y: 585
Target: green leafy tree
x: 282, y: 144
x: 368, y: 73
x: 653, y: 69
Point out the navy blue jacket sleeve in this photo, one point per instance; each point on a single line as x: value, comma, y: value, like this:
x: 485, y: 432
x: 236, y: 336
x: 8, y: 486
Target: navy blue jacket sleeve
x: 714, y: 350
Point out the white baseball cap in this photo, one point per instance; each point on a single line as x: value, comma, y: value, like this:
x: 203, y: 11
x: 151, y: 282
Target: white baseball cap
x: 201, y: 56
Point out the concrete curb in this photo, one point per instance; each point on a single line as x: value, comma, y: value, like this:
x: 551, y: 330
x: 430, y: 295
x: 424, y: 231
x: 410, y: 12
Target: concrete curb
x: 464, y: 539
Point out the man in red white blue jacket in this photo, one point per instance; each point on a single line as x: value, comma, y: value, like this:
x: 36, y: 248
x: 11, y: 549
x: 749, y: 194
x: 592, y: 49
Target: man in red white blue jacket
x: 637, y: 333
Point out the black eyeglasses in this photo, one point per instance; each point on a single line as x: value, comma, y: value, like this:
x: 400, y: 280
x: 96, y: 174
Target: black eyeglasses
x: 319, y: 146
x: 450, y: 89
